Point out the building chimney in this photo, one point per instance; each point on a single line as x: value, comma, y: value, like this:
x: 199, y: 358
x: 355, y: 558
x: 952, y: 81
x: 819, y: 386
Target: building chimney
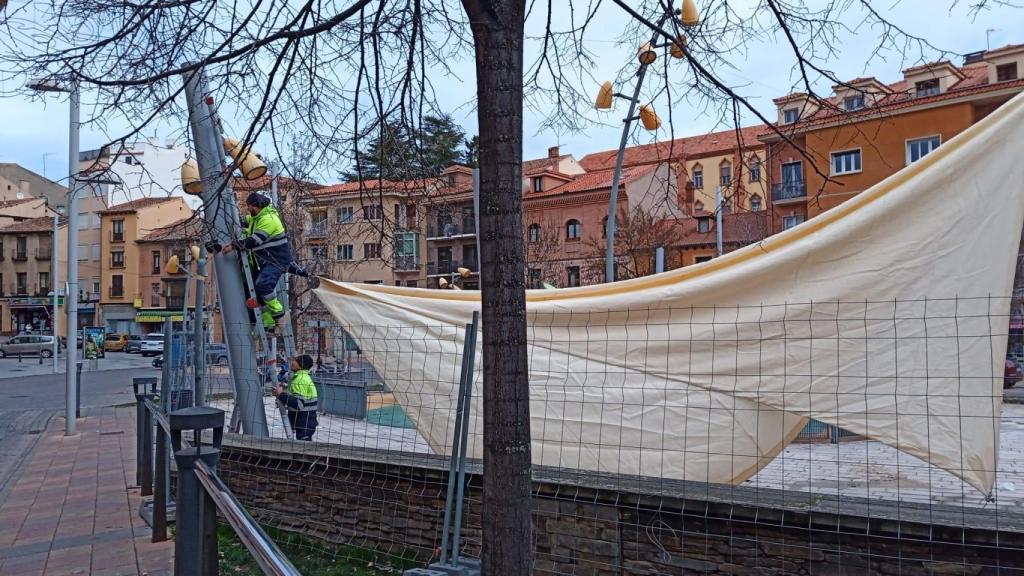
x: 553, y: 152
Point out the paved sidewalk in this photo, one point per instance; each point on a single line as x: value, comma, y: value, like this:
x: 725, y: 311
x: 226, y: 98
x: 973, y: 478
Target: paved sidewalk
x: 74, y: 509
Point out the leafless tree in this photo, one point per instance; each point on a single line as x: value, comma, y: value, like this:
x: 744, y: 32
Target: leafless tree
x: 640, y: 233
x: 331, y: 71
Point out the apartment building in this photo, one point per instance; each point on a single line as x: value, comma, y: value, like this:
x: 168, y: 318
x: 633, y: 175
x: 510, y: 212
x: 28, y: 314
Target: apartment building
x: 20, y: 183
x: 163, y: 293
x: 121, y: 276
x: 733, y: 160
x: 147, y: 168
x: 26, y: 279
x: 566, y: 224
x: 867, y: 130
x: 451, y: 229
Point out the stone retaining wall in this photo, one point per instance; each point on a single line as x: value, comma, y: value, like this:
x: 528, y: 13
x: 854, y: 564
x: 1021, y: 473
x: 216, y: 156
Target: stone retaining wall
x: 605, y: 525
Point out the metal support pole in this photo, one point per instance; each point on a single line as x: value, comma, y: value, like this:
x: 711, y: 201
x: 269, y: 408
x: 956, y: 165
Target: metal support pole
x: 71, y: 298
x: 460, y: 411
x: 140, y: 407
x: 718, y: 218
x: 166, y: 384
x: 613, y: 198
x: 195, y: 543
x: 221, y: 215
x: 78, y: 389
x: 470, y: 361
x: 162, y: 490
x: 54, y: 251
x: 146, y: 484
x: 659, y: 259
x: 199, y: 344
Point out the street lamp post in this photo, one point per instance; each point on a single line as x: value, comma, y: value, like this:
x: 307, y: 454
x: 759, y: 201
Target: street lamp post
x: 646, y: 56
x: 71, y: 298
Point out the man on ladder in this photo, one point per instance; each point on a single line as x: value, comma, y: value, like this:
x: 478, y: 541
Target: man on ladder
x: 267, y: 240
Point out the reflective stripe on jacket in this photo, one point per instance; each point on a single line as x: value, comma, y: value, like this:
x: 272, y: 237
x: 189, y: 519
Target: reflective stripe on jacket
x: 266, y: 236
x: 301, y: 394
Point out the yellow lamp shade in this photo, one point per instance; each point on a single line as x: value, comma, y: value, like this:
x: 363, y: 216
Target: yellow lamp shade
x: 172, y: 265
x: 649, y: 118
x: 195, y: 253
x: 190, y: 180
x: 442, y: 283
x: 247, y: 161
x: 456, y: 287
x: 604, y: 97
x: 646, y: 55
x: 690, y: 16
x: 678, y: 49
x: 464, y: 272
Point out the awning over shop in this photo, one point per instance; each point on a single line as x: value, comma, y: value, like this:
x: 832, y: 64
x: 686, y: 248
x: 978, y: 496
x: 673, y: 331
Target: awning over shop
x: 153, y: 316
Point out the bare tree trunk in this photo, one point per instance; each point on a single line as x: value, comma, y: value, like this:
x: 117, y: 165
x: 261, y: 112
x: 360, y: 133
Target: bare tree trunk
x: 498, y: 36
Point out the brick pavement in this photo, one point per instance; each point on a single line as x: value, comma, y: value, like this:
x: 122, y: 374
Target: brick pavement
x: 74, y: 509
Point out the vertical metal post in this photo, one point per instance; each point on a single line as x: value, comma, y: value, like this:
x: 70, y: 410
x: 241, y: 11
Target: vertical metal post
x: 162, y: 490
x: 659, y: 259
x: 199, y: 344
x: 166, y: 384
x: 195, y: 543
x: 140, y: 406
x: 460, y: 411
x: 71, y: 299
x: 54, y: 323
x: 718, y: 218
x: 468, y: 391
x: 221, y: 215
x: 146, y: 484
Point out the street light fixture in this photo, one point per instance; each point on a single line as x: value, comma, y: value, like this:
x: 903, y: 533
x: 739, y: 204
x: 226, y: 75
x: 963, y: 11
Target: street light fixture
x: 687, y: 16
x: 46, y: 85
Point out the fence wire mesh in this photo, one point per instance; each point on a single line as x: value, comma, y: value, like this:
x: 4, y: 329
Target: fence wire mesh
x: 872, y: 400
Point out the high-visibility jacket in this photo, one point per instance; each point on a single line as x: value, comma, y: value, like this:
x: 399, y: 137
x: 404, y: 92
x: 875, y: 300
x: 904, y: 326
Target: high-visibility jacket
x: 266, y: 237
x: 301, y: 395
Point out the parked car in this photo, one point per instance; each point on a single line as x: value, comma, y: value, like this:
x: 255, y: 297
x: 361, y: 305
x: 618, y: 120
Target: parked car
x: 152, y: 344
x: 114, y: 343
x: 134, y: 344
x: 158, y: 362
x: 28, y: 345
x: 216, y: 353
x: 1012, y: 374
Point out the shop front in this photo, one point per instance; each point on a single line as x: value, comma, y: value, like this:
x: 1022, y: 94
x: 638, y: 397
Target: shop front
x: 31, y: 315
x: 120, y: 319
x: 152, y: 319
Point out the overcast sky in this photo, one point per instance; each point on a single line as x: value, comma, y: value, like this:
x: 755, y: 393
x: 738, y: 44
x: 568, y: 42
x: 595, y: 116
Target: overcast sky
x: 34, y: 131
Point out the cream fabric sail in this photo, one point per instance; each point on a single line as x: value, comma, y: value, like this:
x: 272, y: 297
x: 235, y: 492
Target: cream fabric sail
x: 885, y: 316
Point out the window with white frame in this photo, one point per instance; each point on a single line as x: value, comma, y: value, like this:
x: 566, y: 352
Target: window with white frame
x: 346, y: 214
x: 855, y: 102
x: 927, y: 88
x: 755, y: 169
x: 373, y: 212
x: 790, y: 221
x: 755, y: 203
x: 846, y: 162
x: 371, y: 250
x: 725, y: 174
x: 790, y: 115
x: 344, y: 252
x: 698, y: 176
x: 921, y: 147
x: 534, y: 233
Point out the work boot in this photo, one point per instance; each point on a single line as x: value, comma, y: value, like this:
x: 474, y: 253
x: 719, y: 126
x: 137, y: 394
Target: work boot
x: 272, y: 310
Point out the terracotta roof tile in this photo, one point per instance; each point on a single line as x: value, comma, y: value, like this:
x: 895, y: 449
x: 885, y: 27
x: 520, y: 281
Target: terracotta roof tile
x: 134, y: 205
x: 41, y: 224
x: 17, y: 202
x: 186, y: 229
x: 599, y: 180
x: 678, y: 149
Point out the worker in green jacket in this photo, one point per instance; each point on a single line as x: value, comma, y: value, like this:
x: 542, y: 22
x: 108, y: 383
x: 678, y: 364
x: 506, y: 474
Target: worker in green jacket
x: 300, y: 398
x: 267, y: 240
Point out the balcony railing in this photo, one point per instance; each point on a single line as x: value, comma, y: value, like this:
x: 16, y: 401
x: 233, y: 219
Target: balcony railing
x: 317, y: 230
x: 19, y: 255
x: 116, y: 291
x: 406, y: 263
x: 450, y: 229
x: 116, y: 236
x: 789, y: 190
x: 116, y: 263
x: 450, y: 267
x: 44, y: 253
x: 174, y: 302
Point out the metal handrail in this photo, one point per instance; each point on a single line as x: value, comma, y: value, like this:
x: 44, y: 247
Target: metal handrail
x: 265, y: 551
